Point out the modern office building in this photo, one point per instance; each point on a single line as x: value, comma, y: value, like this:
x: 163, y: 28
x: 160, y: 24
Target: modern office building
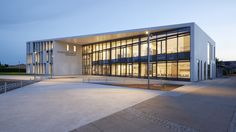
x: 176, y: 52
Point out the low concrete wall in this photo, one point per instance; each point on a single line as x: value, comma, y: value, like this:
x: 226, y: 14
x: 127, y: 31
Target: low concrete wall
x: 118, y: 80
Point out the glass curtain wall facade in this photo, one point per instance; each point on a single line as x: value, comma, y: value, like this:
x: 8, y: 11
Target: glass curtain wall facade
x: 127, y: 57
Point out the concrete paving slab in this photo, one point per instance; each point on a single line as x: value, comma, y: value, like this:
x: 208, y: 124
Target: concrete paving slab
x: 207, y: 106
x: 61, y: 105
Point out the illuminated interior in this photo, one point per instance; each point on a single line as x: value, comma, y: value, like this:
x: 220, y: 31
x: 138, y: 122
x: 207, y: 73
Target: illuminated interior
x: 127, y: 57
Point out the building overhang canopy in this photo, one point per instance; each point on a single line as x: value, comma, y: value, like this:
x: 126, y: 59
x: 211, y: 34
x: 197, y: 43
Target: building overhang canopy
x: 93, y: 38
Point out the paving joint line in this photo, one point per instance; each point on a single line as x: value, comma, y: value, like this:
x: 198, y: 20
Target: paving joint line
x: 163, y: 123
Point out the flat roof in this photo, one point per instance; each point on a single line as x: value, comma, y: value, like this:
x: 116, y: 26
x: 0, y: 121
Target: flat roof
x: 92, y: 38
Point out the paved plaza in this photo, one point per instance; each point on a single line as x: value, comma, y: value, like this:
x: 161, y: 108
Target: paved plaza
x: 207, y: 106
x: 68, y: 104
x: 61, y: 105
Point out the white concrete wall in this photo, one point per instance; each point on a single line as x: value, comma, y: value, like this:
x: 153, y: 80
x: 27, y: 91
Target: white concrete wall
x: 65, y: 64
x: 199, y: 53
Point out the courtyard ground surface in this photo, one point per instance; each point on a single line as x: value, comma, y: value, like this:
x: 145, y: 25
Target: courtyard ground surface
x: 67, y: 104
x: 207, y: 106
x: 61, y: 105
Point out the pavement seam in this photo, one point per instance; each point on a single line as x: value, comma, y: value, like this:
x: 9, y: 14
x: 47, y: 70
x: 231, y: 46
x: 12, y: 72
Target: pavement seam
x: 163, y: 123
x: 97, y: 127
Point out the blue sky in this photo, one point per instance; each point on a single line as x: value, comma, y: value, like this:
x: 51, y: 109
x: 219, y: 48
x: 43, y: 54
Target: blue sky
x: 24, y: 20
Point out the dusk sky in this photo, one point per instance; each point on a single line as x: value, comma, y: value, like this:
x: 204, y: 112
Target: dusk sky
x: 25, y: 20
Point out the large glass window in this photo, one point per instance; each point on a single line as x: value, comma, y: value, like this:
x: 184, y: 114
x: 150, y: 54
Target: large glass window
x: 163, y: 43
x: 184, y: 43
x: 108, y: 45
x: 123, y: 52
x: 94, y: 47
x: 143, y: 69
x: 113, y: 53
x: 129, y: 41
x: 104, y: 55
x: 117, y: 43
x: 129, y: 69
x: 100, y: 46
x: 100, y: 55
x: 135, y: 69
x: 113, y: 69
x: 135, y: 50
x: 153, y: 70
x: 183, y: 69
x: 123, y: 42
x: 171, y: 45
x: 118, y: 53
x: 144, y: 49
x: 95, y: 56
x: 123, y: 69
x: 97, y: 47
x: 108, y: 55
x: 129, y: 51
x: 153, y: 47
x: 113, y: 44
x: 161, y: 69
x: 117, y: 69
x: 161, y: 47
x: 172, y: 69
x: 135, y: 40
